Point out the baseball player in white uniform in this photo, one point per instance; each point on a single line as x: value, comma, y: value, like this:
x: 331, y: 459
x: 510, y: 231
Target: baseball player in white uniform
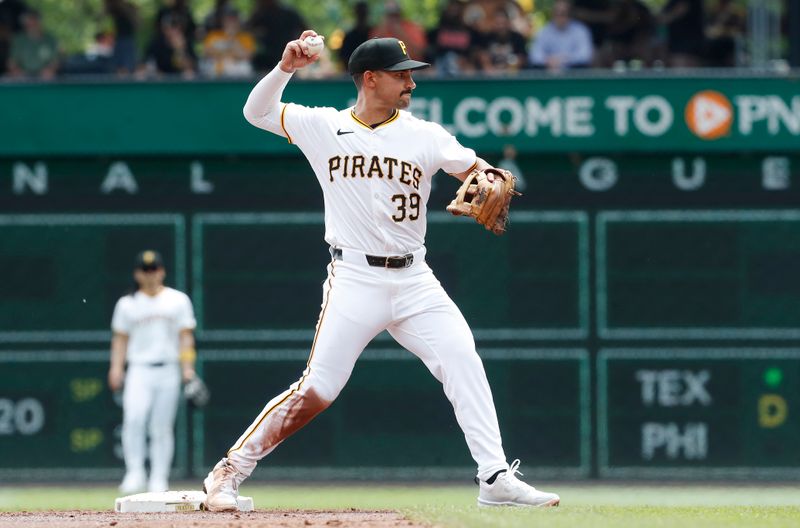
x: 153, y: 333
x: 374, y: 162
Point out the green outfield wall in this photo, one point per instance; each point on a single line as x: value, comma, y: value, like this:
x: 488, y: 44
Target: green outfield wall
x: 548, y: 114
x: 639, y: 319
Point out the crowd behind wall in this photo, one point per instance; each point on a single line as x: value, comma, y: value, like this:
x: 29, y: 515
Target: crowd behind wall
x: 485, y: 37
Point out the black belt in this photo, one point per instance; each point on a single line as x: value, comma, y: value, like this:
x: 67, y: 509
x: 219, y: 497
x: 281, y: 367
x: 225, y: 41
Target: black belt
x: 156, y: 364
x: 398, y: 261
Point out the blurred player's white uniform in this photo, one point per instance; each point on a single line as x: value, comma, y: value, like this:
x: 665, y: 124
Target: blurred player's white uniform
x: 152, y: 382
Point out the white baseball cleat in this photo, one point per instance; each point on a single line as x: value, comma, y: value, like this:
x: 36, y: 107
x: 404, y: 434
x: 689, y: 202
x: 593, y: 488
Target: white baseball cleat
x: 134, y: 482
x: 508, y: 490
x: 222, y: 488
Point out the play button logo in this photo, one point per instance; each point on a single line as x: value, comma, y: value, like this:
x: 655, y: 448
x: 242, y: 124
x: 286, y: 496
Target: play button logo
x: 709, y: 115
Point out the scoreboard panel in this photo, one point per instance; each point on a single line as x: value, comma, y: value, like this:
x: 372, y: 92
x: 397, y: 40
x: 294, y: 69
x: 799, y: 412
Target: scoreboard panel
x: 62, y: 274
x: 698, y: 274
x: 698, y: 413
x: 58, y: 419
x: 259, y: 275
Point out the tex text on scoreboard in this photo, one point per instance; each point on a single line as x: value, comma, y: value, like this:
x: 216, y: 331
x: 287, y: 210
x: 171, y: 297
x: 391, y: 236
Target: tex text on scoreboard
x: 698, y: 413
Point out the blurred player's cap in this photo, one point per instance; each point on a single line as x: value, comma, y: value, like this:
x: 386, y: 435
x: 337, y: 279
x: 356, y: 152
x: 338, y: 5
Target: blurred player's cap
x: 149, y: 260
x: 388, y: 54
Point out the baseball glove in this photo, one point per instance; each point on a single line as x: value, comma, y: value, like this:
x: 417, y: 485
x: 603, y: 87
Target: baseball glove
x: 196, y: 391
x: 486, y: 201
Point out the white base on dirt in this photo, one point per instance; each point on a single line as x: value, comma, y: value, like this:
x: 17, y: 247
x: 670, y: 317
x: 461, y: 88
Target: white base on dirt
x: 170, y: 501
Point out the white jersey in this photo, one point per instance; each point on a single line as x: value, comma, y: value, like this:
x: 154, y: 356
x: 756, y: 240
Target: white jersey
x: 153, y: 324
x: 382, y: 173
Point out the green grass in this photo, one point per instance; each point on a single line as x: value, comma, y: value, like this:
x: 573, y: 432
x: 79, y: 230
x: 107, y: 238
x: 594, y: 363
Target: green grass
x: 595, y: 506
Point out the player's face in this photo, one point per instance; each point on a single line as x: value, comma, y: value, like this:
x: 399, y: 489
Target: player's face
x: 151, y: 278
x: 395, y: 88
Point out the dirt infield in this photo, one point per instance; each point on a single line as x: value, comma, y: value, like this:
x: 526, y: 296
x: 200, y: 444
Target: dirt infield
x: 254, y: 519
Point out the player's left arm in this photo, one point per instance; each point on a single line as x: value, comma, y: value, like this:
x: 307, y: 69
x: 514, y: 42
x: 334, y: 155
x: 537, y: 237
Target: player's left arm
x: 480, y: 164
x: 451, y: 155
x: 188, y: 354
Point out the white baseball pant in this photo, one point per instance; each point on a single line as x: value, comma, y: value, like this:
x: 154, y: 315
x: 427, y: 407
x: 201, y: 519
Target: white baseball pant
x: 360, y: 301
x: 149, y: 405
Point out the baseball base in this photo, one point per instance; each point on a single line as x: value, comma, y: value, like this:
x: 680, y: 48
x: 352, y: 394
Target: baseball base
x: 169, y: 501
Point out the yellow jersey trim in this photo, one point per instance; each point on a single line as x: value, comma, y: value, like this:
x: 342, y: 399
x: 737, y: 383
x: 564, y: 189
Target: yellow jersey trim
x: 283, y: 127
x: 388, y: 120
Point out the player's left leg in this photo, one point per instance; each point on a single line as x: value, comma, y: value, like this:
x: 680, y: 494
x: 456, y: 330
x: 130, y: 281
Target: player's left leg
x: 166, y: 394
x: 432, y: 327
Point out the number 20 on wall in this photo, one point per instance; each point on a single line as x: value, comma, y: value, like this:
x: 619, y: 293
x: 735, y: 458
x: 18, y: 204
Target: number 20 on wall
x: 23, y: 417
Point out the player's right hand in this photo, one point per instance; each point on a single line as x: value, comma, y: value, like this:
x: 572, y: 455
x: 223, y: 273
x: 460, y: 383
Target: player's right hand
x: 115, y: 379
x: 294, y: 55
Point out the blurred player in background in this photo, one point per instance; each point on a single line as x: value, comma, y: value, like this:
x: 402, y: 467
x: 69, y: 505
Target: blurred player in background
x: 153, y: 333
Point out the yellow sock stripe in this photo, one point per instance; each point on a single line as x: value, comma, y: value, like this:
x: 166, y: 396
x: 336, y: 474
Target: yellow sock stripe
x: 308, y: 366
x: 283, y: 127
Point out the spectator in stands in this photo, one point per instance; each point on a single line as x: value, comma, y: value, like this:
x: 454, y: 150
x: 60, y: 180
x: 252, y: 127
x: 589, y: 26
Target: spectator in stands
x: 684, y: 21
x: 502, y: 50
x: 98, y: 59
x: 10, y: 12
x: 214, y: 19
x: 273, y: 25
x: 179, y: 15
x: 169, y: 52
x: 125, y: 18
x: 227, y: 51
x: 479, y: 15
x: 726, y: 26
x: 451, y: 45
x: 395, y: 25
x: 34, y: 53
x: 630, y: 35
x: 5, y: 47
x: 563, y: 43
x: 357, y: 34
x: 596, y: 15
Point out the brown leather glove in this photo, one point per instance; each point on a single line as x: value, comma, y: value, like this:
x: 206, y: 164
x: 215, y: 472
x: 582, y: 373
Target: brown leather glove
x: 484, y: 200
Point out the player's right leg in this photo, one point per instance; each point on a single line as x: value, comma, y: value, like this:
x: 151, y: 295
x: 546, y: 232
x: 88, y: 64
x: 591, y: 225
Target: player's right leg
x: 137, y: 400
x: 354, y: 311
x: 166, y: 395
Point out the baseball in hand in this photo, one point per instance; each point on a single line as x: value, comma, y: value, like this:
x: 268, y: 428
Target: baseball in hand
x: 315, y: 45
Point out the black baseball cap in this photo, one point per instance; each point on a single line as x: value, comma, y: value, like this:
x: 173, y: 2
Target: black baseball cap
x: 149, y: 260
x: 388, y: 54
